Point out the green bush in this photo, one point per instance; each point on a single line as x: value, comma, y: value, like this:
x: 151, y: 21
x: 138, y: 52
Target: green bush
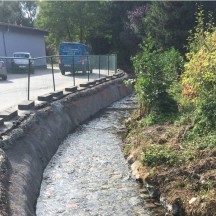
x: 156, y: 71
x: 206, y: 112
x: 199, y: 78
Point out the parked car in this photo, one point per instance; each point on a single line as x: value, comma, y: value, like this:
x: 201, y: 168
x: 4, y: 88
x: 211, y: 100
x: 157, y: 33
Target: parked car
x: 3, y: 70
x: 21, y: 62
x: 74, y: 57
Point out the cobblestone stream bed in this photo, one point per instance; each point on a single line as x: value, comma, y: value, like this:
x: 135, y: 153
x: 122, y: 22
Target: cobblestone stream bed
x: 89, y: 175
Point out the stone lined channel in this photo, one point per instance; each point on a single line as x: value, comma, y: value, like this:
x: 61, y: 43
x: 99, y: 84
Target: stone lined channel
x: 88, y: 175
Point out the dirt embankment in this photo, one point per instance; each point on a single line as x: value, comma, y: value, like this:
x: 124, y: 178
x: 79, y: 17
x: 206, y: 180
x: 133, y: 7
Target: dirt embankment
x: 182, y: 178
x: 29, y: 147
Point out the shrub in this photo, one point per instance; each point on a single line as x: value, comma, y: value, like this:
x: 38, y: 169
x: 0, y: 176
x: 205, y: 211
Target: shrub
x: 199, y: 78
x: 156, y: 71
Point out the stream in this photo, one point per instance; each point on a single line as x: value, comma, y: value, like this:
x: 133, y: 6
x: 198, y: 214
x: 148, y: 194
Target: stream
x: 89, y: 175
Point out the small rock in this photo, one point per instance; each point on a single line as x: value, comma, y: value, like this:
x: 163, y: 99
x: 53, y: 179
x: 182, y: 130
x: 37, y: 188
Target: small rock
x: 130, y: 159
x: 192, y: 200
x: 153, y: 191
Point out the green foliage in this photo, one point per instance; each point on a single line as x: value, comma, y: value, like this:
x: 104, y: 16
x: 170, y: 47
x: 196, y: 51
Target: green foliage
x: 156, y: 71
x: 159, y: 155
x: 200, y: 142
x: 10, y: 12
x: 18, y: 12
x: 157, y: 118
x: 185, y: 118
x: 199, y: 78
x: 169, y: 22
x: 97, y: 23
x: 70, y: 21
x: 207, y: 109
x: 202, y: 188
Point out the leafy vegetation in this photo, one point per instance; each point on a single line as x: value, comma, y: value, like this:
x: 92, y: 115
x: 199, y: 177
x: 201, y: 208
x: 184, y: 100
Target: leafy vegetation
x: 199, y: 79
x: 107, y: 26
x: 158, y: 155
x: 162, y: 87
x: 173, y: 134
x: 155, y: 71
x: 177, y: 148
x: 18, y: 12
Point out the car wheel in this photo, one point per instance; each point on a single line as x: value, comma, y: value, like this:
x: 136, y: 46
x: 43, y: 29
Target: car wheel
x: 62, y: 72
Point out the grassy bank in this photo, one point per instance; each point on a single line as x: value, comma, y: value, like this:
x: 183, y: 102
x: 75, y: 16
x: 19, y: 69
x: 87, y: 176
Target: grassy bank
x: 179, y: 164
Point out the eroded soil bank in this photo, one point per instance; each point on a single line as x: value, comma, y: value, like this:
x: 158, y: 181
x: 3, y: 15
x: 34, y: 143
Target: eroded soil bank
x: 31, y: 145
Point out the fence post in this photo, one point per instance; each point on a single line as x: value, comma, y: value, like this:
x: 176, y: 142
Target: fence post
x: 52, y: 73
x: 115, y: 63
x: 99, y: 66
x: 73, y: 73
x: 29, y: 79
x: 108, y: 65
x: 88, y: 67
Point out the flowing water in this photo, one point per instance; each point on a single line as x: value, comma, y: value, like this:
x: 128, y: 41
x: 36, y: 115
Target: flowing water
x: 89, y: 175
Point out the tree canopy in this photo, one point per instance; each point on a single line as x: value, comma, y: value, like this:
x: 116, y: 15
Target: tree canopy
x: 108, y: 26
x: 20, y: 13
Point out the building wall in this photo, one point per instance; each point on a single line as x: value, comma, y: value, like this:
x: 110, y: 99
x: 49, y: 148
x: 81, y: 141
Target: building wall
x: 16, y: 41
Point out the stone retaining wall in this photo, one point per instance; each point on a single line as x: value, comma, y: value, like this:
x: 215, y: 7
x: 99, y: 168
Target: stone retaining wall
x: 30, y: 146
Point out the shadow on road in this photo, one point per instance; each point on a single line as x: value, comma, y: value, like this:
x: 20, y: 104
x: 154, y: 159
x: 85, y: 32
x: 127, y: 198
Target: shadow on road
x: 5, y: 81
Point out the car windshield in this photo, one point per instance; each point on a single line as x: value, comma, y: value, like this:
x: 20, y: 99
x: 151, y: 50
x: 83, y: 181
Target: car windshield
x: 21, y: 55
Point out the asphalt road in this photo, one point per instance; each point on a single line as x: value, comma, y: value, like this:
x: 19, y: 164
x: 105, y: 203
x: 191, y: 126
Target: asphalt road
x: 15, y: 89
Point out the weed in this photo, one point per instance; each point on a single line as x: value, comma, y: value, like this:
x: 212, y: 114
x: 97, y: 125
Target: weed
x: 158, y: 155
x: 127, y: 149
x: 194, y: 141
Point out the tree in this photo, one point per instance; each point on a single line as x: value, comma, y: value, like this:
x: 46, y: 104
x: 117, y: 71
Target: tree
x: 100, y: 24
x: 10, y: 12
x: 123, y: 41
x: 169, y: 23
x: 156, y: 71
x: 199, y: 78
x: 132, y: 34
x: 19, y: 13
x: 68, y: 21
x: 29, y: 11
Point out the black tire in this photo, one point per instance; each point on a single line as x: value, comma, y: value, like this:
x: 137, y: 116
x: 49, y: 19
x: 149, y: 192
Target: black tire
x: 62, y: 72
x: 91, y: 71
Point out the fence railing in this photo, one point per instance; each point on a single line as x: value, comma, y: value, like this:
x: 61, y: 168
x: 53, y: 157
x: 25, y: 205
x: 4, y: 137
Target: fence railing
x: 28, y: 78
